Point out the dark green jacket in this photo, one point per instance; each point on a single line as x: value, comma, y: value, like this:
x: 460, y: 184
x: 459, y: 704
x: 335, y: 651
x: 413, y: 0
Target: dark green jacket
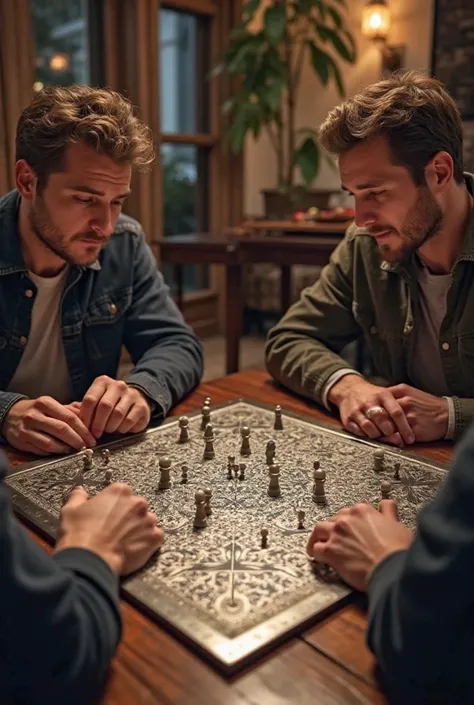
x: 359, y: 294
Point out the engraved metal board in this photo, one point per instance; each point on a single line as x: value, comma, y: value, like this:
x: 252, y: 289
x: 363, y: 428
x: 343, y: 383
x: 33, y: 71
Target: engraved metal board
x: 217, y: 587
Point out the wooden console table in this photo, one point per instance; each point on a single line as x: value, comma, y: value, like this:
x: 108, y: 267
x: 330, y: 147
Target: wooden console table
x: 243, y: 246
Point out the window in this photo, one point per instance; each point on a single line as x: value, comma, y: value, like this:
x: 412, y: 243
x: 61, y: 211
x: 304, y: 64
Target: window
x: 185, y: 139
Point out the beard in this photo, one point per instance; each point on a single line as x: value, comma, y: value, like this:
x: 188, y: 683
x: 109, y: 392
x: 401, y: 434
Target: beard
x: 57, y: 242
x: 423, y: 221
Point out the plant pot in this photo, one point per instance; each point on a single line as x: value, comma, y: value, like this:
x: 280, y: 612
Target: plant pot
x: 280, y: 206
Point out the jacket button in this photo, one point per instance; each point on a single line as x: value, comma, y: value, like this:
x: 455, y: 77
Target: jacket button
x: 113, y: 309
x: 373, y: 329
x: 445, y: 346
x: 29, y: 293
x: 23, y: 341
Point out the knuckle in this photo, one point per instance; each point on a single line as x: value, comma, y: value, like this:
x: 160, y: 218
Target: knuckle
x: 88, y: 399
x: 121, y: 488
x: 342, y: 524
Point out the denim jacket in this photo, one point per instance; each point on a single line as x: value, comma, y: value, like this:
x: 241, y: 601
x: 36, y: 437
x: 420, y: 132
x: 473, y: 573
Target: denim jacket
x: 120, y: 299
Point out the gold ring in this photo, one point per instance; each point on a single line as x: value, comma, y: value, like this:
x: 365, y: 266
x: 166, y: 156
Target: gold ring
x: 370, y: 413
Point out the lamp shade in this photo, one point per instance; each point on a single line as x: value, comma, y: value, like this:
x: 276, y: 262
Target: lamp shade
x: 376, y: 20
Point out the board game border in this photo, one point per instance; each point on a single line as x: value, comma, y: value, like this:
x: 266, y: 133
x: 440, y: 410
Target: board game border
x: 227, y: 654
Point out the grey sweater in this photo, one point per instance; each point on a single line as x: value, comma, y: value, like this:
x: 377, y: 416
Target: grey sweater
x: 59, y: 618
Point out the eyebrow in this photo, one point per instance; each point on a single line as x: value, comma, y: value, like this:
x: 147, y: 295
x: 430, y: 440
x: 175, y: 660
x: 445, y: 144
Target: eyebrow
x: 95, y: 192
x: 365, y: 186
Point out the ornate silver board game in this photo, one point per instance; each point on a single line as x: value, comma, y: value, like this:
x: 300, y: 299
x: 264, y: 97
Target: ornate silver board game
x: 225, y: 588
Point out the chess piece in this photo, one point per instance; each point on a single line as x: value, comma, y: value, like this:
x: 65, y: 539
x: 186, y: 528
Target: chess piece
x: 108, y: 476
x: 184, y: 474
x: 274, y: 486
x: 278, y: 425
x: 242, y: 468
x: 385, y: 488
x: 378, y: 459
x: 301, y: 515
x: 270, y: 452
x: 230, y: 466
x: 200, y: 518
x: 106, y: 456
x: 184, y: 429
x: 264, y: 536
x: 165, y: 481
x: 208, y: 496
x: 207, y: 401
x: 209, y: 443
x: 396, y: 475
x: 206, y: 417
x: 319, y: 476
x: 245, y: 445
x: 87, y: 459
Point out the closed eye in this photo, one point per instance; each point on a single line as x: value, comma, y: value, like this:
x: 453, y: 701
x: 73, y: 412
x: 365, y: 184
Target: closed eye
x: 83, y: 200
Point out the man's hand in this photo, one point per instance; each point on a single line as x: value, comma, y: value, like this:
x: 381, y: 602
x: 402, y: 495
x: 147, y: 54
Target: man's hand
x: 358, y: 539
x: 43, y: 426
x: 115, y: 524
x: 354, y: 396
x: 427, y: 415
x: 111, y: 406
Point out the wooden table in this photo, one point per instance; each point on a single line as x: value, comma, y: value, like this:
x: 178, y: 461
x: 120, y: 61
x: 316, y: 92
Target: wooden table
x: 327, y: 664
x: 241, y: 247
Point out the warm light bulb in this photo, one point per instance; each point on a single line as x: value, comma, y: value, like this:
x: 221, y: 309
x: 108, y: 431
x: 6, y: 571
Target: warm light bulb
x: 59, y: 62
x: 376, y: 20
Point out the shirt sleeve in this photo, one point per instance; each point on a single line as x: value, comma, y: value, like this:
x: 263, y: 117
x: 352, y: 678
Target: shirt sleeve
x: 59, y: 617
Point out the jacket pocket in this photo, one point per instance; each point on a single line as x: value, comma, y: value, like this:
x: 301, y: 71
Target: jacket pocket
x: 104, y: 322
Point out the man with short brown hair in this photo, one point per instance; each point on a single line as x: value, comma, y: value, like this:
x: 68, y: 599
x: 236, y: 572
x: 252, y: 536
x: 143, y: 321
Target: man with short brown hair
x: 78, y: 281
x: 403, y: 277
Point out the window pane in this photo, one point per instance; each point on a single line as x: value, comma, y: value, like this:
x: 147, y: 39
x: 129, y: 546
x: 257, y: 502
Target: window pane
x: 62, y: 46
x: 184, y: 64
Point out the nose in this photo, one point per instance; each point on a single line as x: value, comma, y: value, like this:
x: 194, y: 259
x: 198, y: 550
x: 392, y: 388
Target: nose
x: 103, y: 224
x: 364, y: 217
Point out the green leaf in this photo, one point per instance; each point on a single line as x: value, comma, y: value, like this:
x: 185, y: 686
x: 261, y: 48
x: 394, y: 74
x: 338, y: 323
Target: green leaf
x: 272, y: 92
x: 328, y: 34
x: 336, y: 17
x: 307, y: 158
x: 275, y: 22
x: 336, y: 72
x: 320, y: 62
x: 249, y: 9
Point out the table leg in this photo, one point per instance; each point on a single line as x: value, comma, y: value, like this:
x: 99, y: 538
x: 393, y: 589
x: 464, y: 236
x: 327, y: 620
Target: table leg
x: 234, y: 314
x: 285, y: 288
x: 178, y: 278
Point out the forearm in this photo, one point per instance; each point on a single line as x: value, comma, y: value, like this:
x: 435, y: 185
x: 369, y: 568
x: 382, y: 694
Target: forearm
x: 69, y: 603
x: 7, y: 400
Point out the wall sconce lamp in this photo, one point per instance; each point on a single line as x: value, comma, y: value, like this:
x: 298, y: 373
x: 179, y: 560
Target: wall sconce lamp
x: 376, y: 25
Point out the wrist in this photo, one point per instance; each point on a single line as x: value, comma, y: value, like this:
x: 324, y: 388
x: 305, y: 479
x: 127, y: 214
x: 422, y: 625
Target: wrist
x: 444, y: 417
x: 112, y: 559
x: 341, y: 388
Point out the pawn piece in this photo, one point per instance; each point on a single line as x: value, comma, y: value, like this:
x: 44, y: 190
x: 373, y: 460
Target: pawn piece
x: 184, y: 474
x: 301, y: 515
x: 209, y: 441
x: 264, y: 535
x: 206, y: 417
x: 165, y: 481
x: 87, y: 458
x: 270, y: 452
x: 278, y: 425
x: 385, y: 488
x: 245, y: 446
x: 274, y: 486
x: 378, y: 459
x: 319, y: 476
x: 208, y: 496
x: 230, y: 466
x: 184, y: 429
x: 396, y: 475
x: 242, y: 468
x: 106, y: 456
x: 200, y: 518
x: 108, y: 476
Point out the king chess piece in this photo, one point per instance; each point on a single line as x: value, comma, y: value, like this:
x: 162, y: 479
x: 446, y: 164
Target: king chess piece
x: 245, y: 445
x: 278, y: 425
x: 183, y: 429
x: 270, y: 450
x: 200, y: 518
x: 319, y: 477
x: 165, y: 467
x: 274, y: 485
x: 209, y: 443
x: 206, y: 417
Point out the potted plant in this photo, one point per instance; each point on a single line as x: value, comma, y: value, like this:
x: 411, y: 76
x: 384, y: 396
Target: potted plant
x: 264, y: 60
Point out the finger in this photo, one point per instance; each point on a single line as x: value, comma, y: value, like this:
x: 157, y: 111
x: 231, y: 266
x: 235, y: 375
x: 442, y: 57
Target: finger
x: 389, y: 508
x: 120, y: 414
x: 43, y: 444
x: 366, y: 426
x: 52, y: 409
x: 381, y: 419
x: 394, y: 440
x: 352, y: 427
x: 104, y: 409
x: 319, y: 552
x: 321, y: 532
x: 136, y: 420
x: 77, y: 497
x: 399, y: 418
x: 60, y: 430
x: 91, y: 399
